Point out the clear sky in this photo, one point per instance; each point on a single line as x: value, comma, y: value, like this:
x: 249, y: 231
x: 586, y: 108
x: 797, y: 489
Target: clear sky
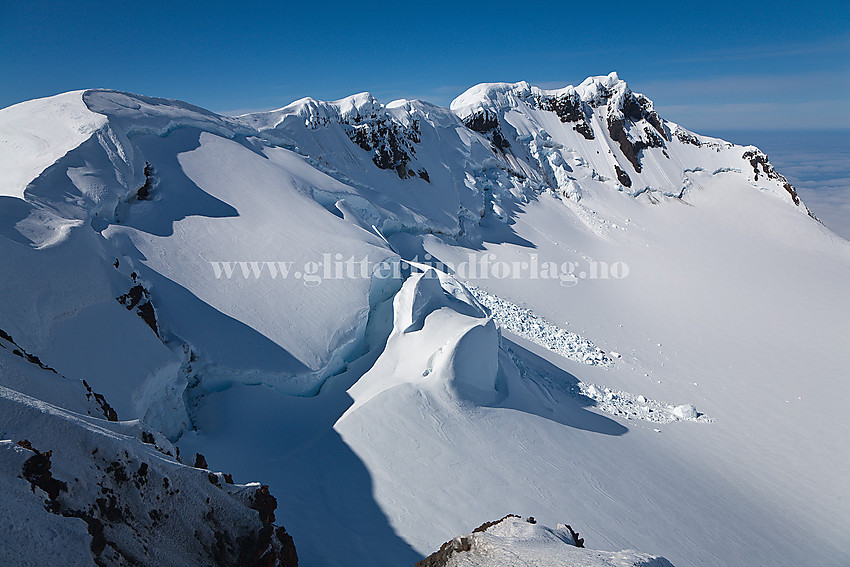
x: 717, y: 65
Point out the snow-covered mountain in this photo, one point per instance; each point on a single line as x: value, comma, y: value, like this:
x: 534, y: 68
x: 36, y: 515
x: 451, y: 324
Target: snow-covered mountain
x: 407, y: 319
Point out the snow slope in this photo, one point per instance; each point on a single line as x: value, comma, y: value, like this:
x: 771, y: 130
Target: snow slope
x: 692, y: 406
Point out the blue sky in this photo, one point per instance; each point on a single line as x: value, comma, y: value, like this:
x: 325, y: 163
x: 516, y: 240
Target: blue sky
x: 718, y: 65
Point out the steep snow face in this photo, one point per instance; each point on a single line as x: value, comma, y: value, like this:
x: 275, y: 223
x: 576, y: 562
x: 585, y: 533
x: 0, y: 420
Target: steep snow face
x: 599, y: 136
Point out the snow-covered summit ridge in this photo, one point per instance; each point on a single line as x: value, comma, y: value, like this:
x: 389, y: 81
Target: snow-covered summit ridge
x: 576, y: 141
x: 603, y: 131
x: 499, y: 95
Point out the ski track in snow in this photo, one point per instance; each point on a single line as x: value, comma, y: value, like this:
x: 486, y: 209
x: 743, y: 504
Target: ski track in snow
x: 525, y: 323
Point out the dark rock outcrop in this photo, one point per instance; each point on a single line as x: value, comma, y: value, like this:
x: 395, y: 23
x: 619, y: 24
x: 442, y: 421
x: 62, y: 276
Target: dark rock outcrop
x: 19, y: 351
x: 761, y: 165
x: 622, y: 176
x: 139, y: 298
x: 392, y: 145
x: 570, y: 109
x: 143, y: 193
x: 487, y: 123
x: 108, y: 411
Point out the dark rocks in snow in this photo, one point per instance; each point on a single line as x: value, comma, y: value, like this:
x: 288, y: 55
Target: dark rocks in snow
x: 499, y: 141
x: 133, y: 297
x: 482, y: 121
x: 687, y: 138
x: 616, y: 128
x: 638, y: 107
x: 288, y: 555
x: 108, y: 411
x: 569, y: 108
x: 262, y: 551
x: 653, y: 140
x: 578, y: 541
x: 143, y: 193
x: 622, y: 177
x: 584, y: 129
x: 487, y: 123
x: 36, y: 471
x: 392, y: 145
x: 139, y: 297
x: 793, y: 192
x: 22, y: 353
x: 440, y: 558
x: 124, y: 513
x: 483, y: 527
x: 263, y: 502
x: 200, y: 461
x: 758, y: 160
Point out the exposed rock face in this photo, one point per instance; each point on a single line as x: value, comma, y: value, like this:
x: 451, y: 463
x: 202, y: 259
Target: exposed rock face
x: 460, y: 544
x: 623, y: 177
x: 687, y: 138
x: 392, y: 145
x: 635, y: 108
x: 144, y: 192
x: 487, y: 123
x: 569, y: 108
x: 108, y: 411
x: 139, y: 298
x: 17, y: 350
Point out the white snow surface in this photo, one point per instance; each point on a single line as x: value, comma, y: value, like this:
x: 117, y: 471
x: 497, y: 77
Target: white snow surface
x: 397, y: 412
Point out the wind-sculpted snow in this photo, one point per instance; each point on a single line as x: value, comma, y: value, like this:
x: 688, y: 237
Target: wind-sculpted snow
x: 445, y: 339
x: 34, y: 134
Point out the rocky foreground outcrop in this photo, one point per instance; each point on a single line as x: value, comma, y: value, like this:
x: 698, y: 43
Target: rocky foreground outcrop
x: 85, y: 491
x: 517, y: 541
